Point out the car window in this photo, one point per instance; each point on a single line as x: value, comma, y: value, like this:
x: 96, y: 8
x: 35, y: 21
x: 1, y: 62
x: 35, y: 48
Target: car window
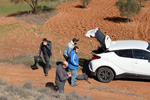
x: 141, y: 54
x: 124, y: 53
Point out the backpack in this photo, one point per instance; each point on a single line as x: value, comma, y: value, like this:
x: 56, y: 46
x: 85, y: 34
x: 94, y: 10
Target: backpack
x: 83, y: 77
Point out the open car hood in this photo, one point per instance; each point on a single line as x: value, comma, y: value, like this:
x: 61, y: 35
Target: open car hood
x: 105, y: 41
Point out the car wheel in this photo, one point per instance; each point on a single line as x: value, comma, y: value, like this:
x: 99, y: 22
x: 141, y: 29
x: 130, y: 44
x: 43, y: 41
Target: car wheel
x: 105, y: 75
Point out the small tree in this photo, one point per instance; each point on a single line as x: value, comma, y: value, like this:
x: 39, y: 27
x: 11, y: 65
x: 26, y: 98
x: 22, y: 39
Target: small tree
x: 141, y: 2
x: 128, y: 8
x: 85, y: 3
x: 33, y: 4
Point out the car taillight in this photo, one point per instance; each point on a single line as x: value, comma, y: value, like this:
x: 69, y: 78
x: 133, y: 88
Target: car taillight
x: 95, y: 57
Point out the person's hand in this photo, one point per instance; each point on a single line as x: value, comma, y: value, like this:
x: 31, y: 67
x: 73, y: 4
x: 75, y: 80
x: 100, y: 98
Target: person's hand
x: 69, y: 74
x: 44, y: 43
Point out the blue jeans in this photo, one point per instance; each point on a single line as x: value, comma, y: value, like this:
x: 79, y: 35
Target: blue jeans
x: 74, y: 75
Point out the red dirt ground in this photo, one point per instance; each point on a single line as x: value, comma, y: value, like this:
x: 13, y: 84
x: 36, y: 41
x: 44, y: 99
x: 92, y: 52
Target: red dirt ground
x: 115, y: 90
x: 71, y: 22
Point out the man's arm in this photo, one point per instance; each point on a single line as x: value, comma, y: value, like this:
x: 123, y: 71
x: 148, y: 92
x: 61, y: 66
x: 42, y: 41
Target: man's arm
x: 72, y: 60
x: 48, y: 46
x: 61, y: 76
x: 40, y: 49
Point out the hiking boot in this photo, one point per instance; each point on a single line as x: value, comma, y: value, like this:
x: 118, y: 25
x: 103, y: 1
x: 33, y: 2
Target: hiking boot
x: 46, y: 74
x: 75, y: 85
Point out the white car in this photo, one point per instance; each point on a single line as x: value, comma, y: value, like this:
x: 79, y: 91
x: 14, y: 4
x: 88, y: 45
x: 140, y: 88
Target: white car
x: 119, y: 59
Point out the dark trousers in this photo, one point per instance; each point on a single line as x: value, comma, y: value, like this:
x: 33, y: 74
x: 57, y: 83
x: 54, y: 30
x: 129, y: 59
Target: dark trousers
x: 60, y: 86
x: 66, y: 58
x: 47, y: 66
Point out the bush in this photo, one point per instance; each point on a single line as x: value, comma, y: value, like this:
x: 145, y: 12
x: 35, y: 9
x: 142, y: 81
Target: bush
x: 3, y: 98
x: 27, y: 92
x: 23, y: 59
x: 128, y: 8
x: 85, y: 3
x: 27, y: 60
x: 27, y: 85
x: 18, y: 91
x: 75, y: 96
x: 2, y: 83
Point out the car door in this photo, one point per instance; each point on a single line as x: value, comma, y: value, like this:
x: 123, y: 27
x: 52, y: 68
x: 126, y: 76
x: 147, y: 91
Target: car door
x: 105, y: 41
x: 122, y: 59
x: 141, y: 62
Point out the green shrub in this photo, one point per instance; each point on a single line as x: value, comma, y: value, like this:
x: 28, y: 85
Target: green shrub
x: 128, y: 8
x: 85, y: 3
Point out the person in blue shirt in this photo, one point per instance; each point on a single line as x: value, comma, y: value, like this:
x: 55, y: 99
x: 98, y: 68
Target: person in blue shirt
x: 73, y: 64
x: 45, y: 48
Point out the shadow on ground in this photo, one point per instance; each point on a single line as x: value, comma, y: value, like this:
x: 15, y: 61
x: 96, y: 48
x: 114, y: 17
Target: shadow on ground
x: 45, y: 13
x: 117, y: 19
x: 79, y: 6
x: 51, y: 85
x: 132, y: 79
x: 84, y: 64
x: 30, y: 12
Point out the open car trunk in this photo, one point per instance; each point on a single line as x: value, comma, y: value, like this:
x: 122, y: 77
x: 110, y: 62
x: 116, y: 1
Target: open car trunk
x: 104, y: 41
x: 98, y: 51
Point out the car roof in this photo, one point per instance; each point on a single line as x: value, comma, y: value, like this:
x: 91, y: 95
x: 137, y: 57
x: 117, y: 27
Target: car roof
x: 128, y: 44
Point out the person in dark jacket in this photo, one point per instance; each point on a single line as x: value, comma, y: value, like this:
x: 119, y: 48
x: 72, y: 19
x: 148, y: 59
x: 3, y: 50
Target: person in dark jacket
x: 61, y: 76
x: 45, y: 48
x: 73, y: 64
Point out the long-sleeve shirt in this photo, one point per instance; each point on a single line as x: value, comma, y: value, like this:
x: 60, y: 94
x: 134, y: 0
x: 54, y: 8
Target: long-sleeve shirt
x: 73, y: 61
x: 68, y: 48
x: 61, y: 74
x: 46, y: 49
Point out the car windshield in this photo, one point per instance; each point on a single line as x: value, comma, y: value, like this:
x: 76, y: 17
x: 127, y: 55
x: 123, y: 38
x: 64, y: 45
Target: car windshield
x: 148, y: 47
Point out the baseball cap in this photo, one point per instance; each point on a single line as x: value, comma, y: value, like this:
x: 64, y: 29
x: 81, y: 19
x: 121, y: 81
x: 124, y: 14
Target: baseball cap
x: 74, y: 39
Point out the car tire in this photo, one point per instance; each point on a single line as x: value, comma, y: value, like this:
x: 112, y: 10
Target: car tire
x: 105, y: 75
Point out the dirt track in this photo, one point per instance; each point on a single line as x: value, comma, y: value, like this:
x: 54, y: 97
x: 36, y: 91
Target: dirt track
x: 70, y: 22
x: 115, y: 90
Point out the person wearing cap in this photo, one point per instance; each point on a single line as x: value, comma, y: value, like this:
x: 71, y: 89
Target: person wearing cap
x: 61, y: 76
x: 69, y: 47
x: 45, y: 48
